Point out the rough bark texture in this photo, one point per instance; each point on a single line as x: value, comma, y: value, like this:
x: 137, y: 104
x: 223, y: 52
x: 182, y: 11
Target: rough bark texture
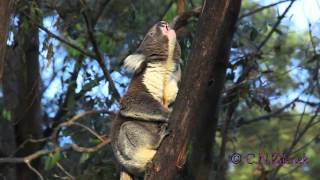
x: 181, y: 6
x: 7, y: 134
x: 29, y: 119
x: 7, y: 138
x: 7, y: 146
x: 4, y: 19
x: 197, y: 103
x: 21, y: 93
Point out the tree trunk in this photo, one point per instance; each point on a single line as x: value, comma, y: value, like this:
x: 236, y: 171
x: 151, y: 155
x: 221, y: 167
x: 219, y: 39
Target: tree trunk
x: 5, y: 12
x: 7, y: 134
x: 21, y: 92
x: 7, y: 138
x: 196, y: 107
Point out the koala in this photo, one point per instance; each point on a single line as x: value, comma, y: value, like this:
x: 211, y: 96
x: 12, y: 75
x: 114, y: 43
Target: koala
x: 140, y: 125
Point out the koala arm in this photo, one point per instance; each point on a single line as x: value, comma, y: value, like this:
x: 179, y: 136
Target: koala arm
x: 143, y: 107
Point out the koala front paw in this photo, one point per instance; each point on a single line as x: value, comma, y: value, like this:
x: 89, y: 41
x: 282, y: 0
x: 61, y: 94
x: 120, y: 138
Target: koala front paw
x: 164, y: 131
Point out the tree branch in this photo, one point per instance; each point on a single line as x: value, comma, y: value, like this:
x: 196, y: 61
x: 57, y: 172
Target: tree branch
x: 261, y: 9
x: 204, y: 74
x: 100, y: 6
x: 298, y: 135
x: 65, y: 171
x: 242, y: 122
x: 29, y: 158
x: 44, y: 152
x: 100, y: 58
x: 61, y: 39
x: 275, y: 26
x: 35, y: 171
x: 182, y: 19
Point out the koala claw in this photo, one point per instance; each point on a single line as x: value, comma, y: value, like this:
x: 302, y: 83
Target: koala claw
x: 164, y: 131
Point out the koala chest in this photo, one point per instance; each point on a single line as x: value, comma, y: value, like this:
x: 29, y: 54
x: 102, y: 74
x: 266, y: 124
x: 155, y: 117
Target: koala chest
x: 161, y: 80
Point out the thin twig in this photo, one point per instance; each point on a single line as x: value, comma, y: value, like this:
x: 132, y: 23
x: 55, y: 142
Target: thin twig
x: 266, y: 116
x: 61, y: 39
x: 296, y: 139
x: 65, y: 171
x: 312, y: 41
x: 306, y: 144
x: 291, y: 171
x: 75, y: 147
x: 261, y: 9
x: 300, y: 121
x: 40, y: 153
x: 70, y: 94
x: 100, y: 6
x: 182, y: 20
x: 74, y: 119
x: 309, y: 103
x: 99, y: 57
x: 275, y: 26
x: 78, y: 148
x: 90, y: 130
x: 28, y: 141
x: 35, y: 171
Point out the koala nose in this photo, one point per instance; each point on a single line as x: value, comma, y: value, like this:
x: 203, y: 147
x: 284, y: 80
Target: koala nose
x: 165, y: 25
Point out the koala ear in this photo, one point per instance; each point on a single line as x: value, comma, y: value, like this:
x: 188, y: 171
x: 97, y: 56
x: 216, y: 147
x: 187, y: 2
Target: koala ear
x: 134, y: 62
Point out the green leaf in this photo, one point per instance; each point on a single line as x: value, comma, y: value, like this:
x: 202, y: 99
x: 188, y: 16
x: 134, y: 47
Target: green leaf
x: 73, y: 52
x: 94, y: 141
x: 6, y: 115
x: 84, y: 157
x: 71, y: 101
x: 253, y: 34
x: 52, y: 161
x: 49, y: 54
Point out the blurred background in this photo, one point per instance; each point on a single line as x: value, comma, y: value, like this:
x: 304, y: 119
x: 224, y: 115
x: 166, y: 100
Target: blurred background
x: 62, y: 80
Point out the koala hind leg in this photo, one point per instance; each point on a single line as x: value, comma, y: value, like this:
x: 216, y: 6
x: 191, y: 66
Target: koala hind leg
x: 142, y: 134
x: 138, y: 142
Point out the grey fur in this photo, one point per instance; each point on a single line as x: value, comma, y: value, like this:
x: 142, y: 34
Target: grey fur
x: 140, y: 125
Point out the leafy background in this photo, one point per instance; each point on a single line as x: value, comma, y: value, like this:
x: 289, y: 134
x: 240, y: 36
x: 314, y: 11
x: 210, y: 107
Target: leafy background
x: 272, y: 88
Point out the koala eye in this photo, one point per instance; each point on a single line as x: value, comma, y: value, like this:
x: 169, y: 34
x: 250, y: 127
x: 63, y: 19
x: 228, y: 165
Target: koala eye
x: 163, y: 23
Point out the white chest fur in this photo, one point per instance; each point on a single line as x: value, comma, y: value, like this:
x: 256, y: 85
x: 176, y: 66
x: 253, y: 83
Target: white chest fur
x: 161, y: 78
x: 154, y: 77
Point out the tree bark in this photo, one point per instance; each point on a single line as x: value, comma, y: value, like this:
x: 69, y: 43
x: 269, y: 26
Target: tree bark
x: 7, y: 133
x: 196, y: 108
x: 181, y: 6
x: 7, y: 138
x: 7, y: 146
x: 5, y: 12
x: 21, y: 92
